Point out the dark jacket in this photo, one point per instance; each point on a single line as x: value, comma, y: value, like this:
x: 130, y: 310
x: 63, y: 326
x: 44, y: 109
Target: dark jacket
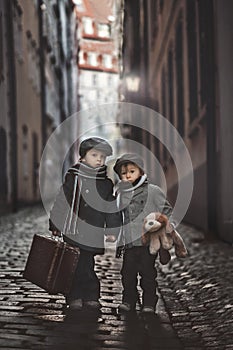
x: 94, y: 213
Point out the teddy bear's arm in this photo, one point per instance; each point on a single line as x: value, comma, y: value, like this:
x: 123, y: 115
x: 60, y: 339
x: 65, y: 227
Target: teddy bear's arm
x: 166, y: 240
x: 154, y: 243
x: 164, y: 256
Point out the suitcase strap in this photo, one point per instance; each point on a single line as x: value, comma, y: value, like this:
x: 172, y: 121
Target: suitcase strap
x: 72, y: 214
x: 59, y: 264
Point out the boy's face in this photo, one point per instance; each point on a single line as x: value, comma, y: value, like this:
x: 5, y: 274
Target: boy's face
x: 94, y: 158
x: 130, y: 172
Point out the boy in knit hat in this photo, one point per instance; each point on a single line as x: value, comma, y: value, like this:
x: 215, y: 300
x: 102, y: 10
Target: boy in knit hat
x: 85, y: 212
x: 136, y: 199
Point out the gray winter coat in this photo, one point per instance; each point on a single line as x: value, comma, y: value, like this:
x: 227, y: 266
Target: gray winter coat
x: 136, y: 205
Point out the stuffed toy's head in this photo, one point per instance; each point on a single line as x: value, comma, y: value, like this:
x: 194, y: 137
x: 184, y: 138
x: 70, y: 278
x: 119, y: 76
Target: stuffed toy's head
x: 160, y: 236
x: 155, y: 232
x: 154, y: 221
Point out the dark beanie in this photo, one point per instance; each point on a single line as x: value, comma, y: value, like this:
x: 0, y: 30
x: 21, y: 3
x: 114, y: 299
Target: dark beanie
x: 97, y: 143
x: 128, y: 158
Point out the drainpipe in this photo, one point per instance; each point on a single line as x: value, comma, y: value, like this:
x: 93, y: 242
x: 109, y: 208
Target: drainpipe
x: 12, y: 101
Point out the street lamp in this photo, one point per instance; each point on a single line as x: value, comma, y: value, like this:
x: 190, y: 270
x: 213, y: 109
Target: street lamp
x: 132, y: 83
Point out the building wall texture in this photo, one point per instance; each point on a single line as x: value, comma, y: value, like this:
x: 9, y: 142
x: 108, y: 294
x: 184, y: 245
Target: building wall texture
x: 180, y: 51
x: 37, y: 69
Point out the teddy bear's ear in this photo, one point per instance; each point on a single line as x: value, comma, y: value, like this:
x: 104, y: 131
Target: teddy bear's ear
x: 150, y: 216
x: 166, y: 240
x: 163, y: 219
x: 156, y: 215
x: 164, y: 256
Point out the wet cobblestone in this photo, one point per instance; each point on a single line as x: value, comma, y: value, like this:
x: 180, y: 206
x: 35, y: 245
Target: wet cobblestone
x: 195, y: 309
x: 203, y: 287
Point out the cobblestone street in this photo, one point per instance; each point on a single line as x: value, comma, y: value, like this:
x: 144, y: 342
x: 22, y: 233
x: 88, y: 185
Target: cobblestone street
x: 195, y: 309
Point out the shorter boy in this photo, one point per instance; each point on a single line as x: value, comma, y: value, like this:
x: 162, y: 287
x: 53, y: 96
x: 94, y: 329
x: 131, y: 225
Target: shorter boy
x: 82, y: 212
x: 137, y: 198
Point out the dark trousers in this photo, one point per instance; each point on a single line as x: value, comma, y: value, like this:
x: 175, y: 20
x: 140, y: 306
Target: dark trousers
x: 138, y: 261
x: 86, y: 285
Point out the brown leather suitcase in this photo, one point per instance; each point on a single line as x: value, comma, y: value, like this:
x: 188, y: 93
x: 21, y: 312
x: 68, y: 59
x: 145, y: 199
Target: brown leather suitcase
x: 51, y: 264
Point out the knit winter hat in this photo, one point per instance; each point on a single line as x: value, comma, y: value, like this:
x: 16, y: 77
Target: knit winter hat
x: 128, y: 158
x: 97, y: 143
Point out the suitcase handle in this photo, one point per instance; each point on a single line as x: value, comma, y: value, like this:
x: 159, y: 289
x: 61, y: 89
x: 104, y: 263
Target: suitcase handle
x: 57, y: 238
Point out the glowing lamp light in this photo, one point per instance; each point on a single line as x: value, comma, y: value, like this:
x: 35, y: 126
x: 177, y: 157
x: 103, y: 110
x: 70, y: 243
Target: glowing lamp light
x: 132, y: 83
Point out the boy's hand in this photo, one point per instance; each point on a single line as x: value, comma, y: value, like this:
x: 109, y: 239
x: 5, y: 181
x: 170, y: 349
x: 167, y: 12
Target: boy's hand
x: 169, y: 228
x: 56, y: 233
x: 110, y: 238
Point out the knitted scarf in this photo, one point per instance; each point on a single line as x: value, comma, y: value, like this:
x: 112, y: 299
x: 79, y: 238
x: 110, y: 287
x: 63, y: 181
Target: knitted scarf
x: 125, y: 186
x: 80, y: 171
x: 121, y: 188
x: 86, y: 171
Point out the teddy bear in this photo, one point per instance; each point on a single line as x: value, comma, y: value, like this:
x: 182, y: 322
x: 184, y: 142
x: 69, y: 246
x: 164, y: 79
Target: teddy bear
x: 161, y: 237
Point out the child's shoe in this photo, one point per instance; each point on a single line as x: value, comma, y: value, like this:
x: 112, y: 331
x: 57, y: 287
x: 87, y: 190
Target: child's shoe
x: 148, y: 309
x: 93, y: 304
x: 76, y: 304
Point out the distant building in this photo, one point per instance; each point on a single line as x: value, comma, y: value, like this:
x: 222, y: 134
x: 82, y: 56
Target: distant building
x: 98, y: 62
x: 178, y: 61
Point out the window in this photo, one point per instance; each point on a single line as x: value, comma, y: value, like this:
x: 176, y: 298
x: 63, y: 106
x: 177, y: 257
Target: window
x: 92, y: 59
x: 88, y: 26
x: 103, y: 30
x: 82, y: 57
x: 107, y: 61
x: 80, y: 5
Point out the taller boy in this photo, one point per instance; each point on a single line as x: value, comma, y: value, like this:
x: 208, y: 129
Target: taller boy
x: 85, y: 211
